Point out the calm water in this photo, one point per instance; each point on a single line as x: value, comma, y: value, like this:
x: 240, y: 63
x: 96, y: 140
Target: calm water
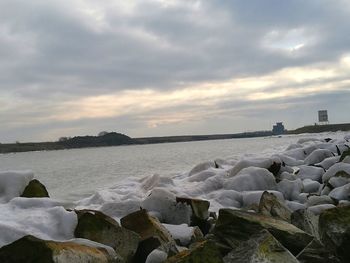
x: 73, y: 174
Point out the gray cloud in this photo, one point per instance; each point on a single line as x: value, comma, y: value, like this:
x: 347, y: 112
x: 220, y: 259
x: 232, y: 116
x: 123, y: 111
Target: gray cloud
x: 57, y: 51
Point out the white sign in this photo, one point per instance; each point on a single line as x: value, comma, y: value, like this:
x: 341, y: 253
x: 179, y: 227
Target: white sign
x: 322, y: 116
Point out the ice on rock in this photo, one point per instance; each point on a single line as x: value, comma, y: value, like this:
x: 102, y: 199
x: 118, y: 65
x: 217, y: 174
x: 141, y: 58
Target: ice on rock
x: 288, y: 176
x: 300, y: 153
x: 202, y: 176
x: 156, y: 256
x: 202, y: 167
x: 164, y: 203
x: 227, y: 198
x: 256, y: 162
x: 319, y: 200
x: 311, y: 186
x: 253, y: 197
x: 318, y: 155
x: 290, y: 189
x: 293, y: 205
x: 290, y: 161
x: 12, y: 184
x: 211, y: 184
x: 40, y: 217
x: 182, y: 233
x: 334, y: 169
x: 294, y: 146
x: 338, y: 181
x: 117, y: 210
x: 155, y: 180
x: 328, y: 162
x: 341, y: 193
x: 250, y: 179
x: 310, y: 172
x: 317, y: 209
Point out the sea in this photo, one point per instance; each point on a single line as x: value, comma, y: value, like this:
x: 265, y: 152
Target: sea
x: 77, y: 173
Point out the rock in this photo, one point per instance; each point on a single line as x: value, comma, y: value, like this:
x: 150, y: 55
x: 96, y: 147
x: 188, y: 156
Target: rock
x: 184, y: 235
x: 201, y: 252
x: 306, y: 221
x: 200, y: 212
x: 270, y: 206
x: 318, y: 156
x: 317, y: 209
x: 250, y: 179
x: 290, y: 189
x: 234, y: 226
x: 32, y: 249
x: 98, y: 227
x: 315, y: 252
x: 145, y: 225
x: 341, y: 193
x: 261, y: 247
x: 310, y: 186
x: 344, y: 154
x: 334, y: 225
x: 153, y: 234
x: 319, y: 200
x: 310, y: 172
x: 35, y: 189
x: 274, y: 168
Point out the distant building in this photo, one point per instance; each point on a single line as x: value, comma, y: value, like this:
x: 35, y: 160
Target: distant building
x: 278, y: 128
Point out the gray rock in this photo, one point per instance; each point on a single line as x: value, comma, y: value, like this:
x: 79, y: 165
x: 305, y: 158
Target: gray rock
x: 315, y: 252
x: 334, y: 225
x: 261, y: 247
x: 32, y: 249
x: 234, y: 226
x: 201, y: 252
x: 98, y: 227
x: 307, y: 221
x: 270, y: 206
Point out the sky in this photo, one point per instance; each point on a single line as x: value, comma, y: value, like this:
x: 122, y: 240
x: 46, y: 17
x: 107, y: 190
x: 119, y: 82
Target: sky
x: 170, y: 67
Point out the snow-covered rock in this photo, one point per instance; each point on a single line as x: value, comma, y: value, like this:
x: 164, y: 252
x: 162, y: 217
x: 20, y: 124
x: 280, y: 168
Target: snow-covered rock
x: 13, y: 183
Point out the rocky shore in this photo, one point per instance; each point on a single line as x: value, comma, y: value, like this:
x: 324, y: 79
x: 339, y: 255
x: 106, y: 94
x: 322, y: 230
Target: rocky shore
x: 293, y: 206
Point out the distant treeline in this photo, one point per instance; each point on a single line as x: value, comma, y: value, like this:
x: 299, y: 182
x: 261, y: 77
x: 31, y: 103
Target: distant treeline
x: 114, y: 139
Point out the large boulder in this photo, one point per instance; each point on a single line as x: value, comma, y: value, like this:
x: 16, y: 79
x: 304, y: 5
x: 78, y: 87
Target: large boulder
x: 200, y: 212
x: 35, y: 189
x: 261, y: 247
x: 334, y: 225
x: 315, y: 252
x: 32, y: 249
x: 306, y: 221
x: 235, y: 226
x: 153, y: 234
x: 201, y: 252
x: 270, y: 206
x: 98, y: 227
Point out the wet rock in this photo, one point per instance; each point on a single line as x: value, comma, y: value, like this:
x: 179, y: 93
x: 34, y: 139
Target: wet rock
x: 153, y: 234
x: 200, y: 212
x: 334, y: 225
x: 270, y: 206
x: 261, y: 247
x: 306, y: 221
x: 32, y: 249
x: 315, y: 252
x: 98, y: 227
x: 35, y: 189
x: 201, y: 252
x: 234, y: 226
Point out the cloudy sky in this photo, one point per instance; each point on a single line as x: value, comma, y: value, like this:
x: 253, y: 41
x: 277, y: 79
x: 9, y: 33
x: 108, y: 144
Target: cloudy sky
x: 170, y: 67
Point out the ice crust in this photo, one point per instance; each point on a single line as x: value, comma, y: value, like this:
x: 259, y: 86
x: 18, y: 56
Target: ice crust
x: 308, y: 168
